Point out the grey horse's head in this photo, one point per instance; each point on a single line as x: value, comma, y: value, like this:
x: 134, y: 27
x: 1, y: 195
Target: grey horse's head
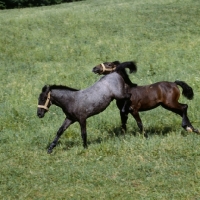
x: 44, y: 101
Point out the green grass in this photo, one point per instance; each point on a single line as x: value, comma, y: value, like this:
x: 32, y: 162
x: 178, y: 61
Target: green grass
x: 60, y: 45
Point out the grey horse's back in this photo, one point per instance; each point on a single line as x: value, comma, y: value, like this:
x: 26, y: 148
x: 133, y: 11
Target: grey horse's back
x: 97, y: 97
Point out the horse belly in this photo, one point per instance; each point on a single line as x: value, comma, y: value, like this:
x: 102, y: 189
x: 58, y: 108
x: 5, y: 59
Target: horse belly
x: 143, y: 99
x: 93, y: 104
x: 148, y: 104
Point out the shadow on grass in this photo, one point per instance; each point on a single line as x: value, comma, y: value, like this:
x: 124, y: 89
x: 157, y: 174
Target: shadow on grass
x: 68, y: 144
x: 160, y: 131
x: 117, y: 133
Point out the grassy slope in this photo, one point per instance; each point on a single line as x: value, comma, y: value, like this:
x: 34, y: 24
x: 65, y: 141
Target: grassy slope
x: 61, y: 44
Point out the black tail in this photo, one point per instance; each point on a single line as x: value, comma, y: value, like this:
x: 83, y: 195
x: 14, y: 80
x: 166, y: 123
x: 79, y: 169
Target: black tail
x: 121, y: 70
x: 187, y: 90
x: 130, y: 64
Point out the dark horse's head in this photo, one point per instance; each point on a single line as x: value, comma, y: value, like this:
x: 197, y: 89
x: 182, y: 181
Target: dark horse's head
x: 44, y: 101
x: 105, y: 68
x: 116, y: 66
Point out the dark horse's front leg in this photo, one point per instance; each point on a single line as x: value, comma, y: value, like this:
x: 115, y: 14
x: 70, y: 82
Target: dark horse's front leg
x: 137, y: 118
x: 83, y: 132
x: 125, y: 102
x: 123, y: 113
x: 61, y: 130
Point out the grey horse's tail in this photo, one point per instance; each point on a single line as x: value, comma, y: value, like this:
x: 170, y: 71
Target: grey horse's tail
x: 131, y: 65
x: 187, y: 90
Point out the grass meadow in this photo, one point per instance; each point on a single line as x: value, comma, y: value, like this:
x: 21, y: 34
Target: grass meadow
x: 60, y: 45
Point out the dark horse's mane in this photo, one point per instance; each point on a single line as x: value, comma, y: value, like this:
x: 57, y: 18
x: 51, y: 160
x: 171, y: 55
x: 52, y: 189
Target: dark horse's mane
x: 60, y: 87
x: 120, y: 69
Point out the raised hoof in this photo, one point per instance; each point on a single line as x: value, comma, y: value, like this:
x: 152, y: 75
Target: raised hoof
x: 189, y: 129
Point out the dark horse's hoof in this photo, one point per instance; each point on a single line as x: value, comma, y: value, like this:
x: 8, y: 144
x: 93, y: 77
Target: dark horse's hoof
x: 123, y: 129
x: 196, y: 131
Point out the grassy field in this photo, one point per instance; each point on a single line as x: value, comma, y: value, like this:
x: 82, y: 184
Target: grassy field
x: 60, y: 45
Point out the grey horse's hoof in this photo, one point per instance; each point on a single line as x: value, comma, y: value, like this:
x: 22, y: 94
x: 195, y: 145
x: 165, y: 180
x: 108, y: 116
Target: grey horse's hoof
x: 49, y: 151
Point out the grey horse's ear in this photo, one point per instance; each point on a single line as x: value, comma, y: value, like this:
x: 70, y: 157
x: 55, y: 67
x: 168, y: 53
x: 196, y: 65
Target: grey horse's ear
x: 46, y: 88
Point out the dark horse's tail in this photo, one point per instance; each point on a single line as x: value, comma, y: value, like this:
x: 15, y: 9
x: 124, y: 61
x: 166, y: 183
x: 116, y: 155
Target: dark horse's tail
x: 121, y: 70
x: 187, y: 90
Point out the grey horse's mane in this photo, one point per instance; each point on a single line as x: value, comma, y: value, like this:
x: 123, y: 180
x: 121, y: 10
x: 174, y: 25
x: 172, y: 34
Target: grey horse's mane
x: 60, y: 87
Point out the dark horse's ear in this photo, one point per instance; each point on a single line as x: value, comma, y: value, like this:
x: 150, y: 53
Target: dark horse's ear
x: 45, y: 88
x: 116, y: 62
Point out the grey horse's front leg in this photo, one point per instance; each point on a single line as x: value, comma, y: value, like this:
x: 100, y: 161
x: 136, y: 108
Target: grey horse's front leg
x: 83, y: 132
x: 61, y: 130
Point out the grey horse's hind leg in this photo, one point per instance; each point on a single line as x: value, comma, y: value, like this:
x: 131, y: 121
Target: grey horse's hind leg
x: 83, y: 132
x: 127, y: 102
x: 61, y: 130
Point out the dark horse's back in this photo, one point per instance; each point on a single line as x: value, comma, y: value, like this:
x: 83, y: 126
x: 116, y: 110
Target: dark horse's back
x: 148, y: 97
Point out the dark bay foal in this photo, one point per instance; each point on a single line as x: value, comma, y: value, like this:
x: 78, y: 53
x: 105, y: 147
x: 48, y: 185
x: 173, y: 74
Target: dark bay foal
x: 78, y: 105
x: 143, y: 98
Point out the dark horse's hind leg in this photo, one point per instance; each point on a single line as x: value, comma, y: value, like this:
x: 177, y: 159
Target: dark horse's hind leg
x: 186, y: 122
x: 181, y: 109
x: 61, y: 130
x: 124, y: 118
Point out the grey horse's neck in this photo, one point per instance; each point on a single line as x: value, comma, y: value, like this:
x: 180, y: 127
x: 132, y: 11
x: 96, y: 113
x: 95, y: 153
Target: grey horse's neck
x: 60, y: 97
